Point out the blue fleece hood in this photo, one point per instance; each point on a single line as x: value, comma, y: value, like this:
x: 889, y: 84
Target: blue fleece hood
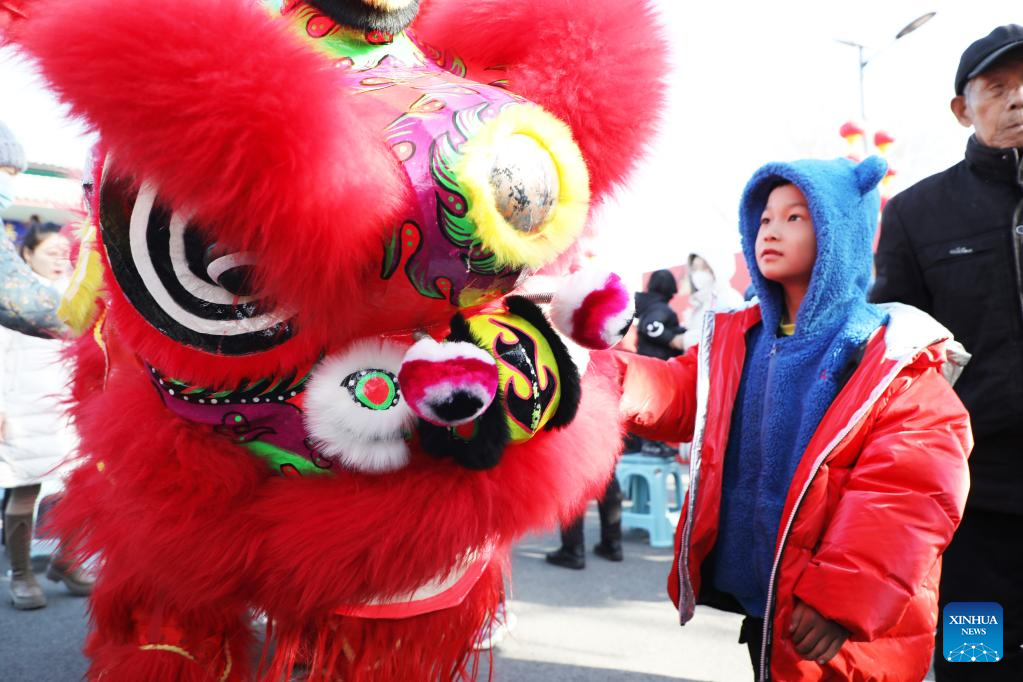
x: 844, y: 204
x: 789, y: 382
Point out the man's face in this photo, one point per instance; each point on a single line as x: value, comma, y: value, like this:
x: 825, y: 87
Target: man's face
x: 390, y: 16
x: 786, y: 246
x: 993, y: 104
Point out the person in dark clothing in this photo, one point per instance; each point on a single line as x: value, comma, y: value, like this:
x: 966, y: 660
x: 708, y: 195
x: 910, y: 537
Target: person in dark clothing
x: 659, y: 332
x: 659, y: 336
x: 952, y: 245
x: 572, y: 553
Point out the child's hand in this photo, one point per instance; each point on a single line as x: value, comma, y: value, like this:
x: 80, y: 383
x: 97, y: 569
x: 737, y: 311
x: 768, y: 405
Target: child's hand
x: 815, y: 637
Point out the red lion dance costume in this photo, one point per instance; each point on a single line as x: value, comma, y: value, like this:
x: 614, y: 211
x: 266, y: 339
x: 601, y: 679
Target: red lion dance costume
x: 306, y: 391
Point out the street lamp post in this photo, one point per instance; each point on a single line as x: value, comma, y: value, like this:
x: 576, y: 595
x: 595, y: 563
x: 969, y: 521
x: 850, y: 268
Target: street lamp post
x: 864, y: 59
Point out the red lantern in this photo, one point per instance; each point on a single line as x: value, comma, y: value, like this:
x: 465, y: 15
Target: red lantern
x: 851, y: 132
x: 882, y: 141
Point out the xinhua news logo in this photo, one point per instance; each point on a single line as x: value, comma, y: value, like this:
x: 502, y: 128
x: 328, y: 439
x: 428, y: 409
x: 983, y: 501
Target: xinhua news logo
x: 972, y: 632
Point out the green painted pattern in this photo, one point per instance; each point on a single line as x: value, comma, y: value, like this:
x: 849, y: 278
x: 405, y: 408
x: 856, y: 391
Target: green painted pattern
x: 455, y: 223
x: 392, y: 254
x: 340, y: 45
x: 277, y: 457
x: 274, y: 387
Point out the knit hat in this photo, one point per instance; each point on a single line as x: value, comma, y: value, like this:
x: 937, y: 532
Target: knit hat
x: 12, y: 155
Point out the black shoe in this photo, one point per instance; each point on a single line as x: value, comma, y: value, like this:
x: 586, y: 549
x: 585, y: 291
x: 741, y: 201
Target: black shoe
x: 612, y: 551
x: 568, y: 557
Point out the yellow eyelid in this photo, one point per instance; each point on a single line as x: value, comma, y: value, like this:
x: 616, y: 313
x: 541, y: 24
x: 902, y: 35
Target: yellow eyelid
x: 568, y: 217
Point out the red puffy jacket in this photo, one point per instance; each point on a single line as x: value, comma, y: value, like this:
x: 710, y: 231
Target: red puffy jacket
x: 874, y: 501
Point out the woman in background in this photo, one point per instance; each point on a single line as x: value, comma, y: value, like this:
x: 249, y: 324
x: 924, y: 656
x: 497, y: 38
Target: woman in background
x: 710, y: 291
x: 35, y: 437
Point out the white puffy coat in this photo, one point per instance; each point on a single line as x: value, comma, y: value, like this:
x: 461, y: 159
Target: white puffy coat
x: 34, y: 385
x: 721, y: 298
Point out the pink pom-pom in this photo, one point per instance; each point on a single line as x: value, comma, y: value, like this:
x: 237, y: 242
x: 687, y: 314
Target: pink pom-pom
x: 593, y: 308
x: 450, y: 383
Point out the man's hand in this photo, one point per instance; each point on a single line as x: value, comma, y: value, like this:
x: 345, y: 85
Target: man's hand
x: 815, y: 637
x: 678, y: 343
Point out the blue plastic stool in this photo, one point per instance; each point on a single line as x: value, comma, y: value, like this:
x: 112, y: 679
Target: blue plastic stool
x: 644, y: 481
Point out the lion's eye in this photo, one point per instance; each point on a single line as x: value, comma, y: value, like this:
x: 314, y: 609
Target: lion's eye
x: 193, y: 291
x: 355, y: 410
x: 526, y: 185
x: 374, y: 389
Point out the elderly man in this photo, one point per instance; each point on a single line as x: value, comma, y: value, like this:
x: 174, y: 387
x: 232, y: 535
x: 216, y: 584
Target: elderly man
x: 952, y: 245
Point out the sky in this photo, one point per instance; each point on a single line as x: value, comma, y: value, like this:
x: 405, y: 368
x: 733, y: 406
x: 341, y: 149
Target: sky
x: 750, y: 82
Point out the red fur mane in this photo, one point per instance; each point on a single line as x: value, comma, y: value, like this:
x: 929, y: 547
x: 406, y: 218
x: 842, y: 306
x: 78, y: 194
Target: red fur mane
x: 598, y: 65
x: 246, y: 126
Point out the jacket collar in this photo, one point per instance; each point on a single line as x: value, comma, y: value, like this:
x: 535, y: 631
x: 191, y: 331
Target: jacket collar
x: 998, y: 164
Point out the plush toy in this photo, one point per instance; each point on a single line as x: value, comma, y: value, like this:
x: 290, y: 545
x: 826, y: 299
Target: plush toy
x: 305, y: 393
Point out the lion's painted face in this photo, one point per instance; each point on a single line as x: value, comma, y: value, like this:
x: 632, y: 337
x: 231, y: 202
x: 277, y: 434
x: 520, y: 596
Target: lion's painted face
x: 495, y: 188
x: 389, y: 16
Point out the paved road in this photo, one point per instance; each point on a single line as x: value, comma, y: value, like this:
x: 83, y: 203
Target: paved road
x: 609, y: 622
x: 42, y: 645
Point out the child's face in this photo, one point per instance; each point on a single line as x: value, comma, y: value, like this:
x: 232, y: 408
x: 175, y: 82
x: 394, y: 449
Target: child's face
x: 786, y: 243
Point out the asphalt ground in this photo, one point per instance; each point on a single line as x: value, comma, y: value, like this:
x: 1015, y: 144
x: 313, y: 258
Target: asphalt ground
x: 610, y: 621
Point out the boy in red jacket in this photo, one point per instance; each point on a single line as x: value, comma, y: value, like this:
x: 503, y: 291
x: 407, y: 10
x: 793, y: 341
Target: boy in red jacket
x: 829, y: 450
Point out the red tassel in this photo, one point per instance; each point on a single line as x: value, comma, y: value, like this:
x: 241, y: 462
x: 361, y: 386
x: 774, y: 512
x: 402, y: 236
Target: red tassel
x: 132, y: 663
x: 382, y: 650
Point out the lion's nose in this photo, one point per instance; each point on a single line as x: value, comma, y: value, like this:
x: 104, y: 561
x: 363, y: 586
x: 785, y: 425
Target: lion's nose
x: 448, y: 384
x: 459, y: 407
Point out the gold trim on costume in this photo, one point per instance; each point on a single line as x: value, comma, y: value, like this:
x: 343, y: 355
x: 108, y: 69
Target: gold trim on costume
x: 169, y: 648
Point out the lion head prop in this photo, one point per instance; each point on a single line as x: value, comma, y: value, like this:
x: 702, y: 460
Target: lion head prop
x: 310, y: 389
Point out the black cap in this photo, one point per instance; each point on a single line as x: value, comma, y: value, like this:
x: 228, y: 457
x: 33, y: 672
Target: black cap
x: 979, y: 56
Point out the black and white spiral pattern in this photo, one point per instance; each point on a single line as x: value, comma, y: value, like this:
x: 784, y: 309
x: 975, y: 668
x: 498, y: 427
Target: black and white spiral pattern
x: 190, y: 288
